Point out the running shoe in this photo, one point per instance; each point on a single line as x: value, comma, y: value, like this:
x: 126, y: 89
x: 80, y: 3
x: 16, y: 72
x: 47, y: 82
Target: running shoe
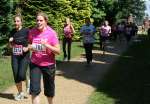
x: 19, y: 96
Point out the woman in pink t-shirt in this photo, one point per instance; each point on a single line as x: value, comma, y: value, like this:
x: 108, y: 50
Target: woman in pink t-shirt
x: 44, y: 45
x: 67, y: 39
x: 104, y: 32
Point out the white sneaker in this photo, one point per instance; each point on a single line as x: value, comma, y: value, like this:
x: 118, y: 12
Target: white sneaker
x: 28, y: 86
x: 19, y: 96
x: 65, y: 59
x: 28, y: 90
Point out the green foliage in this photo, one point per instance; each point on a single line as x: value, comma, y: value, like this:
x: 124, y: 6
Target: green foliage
x: 5, y: 17
x: 113, y: 10
x: 57, y: 11
x: 77, y: 10
x: 6, y: 76
x: 98, y: 12
x: 136, y: 7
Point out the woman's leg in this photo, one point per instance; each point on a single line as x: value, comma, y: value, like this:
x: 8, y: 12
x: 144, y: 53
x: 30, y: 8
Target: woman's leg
x: 50, y: 100
x: 35, y: 83
x: 49, y: 82
x: 35, y: 99
x: 15, y: 68
x: 64, y: 47
x: 87, y: 52
x: 90, y: 52
x: 69, y: 41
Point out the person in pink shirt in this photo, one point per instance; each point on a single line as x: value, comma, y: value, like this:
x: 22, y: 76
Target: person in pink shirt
x: 67, y: 39
x: 104, y: 32
x: 44, y: 45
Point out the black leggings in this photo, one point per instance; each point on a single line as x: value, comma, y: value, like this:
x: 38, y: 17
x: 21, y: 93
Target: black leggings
x: 88, y: 51
x: 65, y: 42
x: 128, y: 37
x: 48, y: 73
x: 19, y: 66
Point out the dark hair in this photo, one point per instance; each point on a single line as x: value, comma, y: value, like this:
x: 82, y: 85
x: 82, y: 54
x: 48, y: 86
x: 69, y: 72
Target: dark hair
x: 87, y: 19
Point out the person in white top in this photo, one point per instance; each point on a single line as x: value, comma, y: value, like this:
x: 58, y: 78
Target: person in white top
x: 104, y: 32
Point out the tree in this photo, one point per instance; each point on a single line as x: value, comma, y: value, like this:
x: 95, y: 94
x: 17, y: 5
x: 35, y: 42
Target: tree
x: 77, y: 10
x: 5, y: 13
x: 57, y: 11
x: 98, y: 12
x: 114, y: 10
x: 136, y: 7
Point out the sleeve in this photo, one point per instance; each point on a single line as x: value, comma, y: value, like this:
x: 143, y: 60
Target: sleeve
x: 82, y: 28
x: 72, y: 28
x: 94, y: 29
x: 109, y: 29
x: 11, y: 33
x: 54, y: 39
x: 64, y: 28
x: 30, y: 37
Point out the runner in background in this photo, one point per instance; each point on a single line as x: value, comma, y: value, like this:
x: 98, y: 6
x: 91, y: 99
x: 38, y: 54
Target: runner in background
x: 148, y: 30
x: 87, y: 31
x: 104, y: 32
x: 121, y: 30
x: 20, y: 55
x: 67, y: 39
x: 128, y: 31
x: 114, y: 32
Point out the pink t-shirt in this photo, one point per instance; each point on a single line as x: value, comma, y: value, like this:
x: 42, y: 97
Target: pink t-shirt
x: 68, y: 31
x: 105, y: 31
x: 41, y: 55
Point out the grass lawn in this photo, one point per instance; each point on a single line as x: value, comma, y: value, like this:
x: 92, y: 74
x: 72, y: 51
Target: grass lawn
x: 128, y: 81
x: 76, y: 50
x: 6, y: 77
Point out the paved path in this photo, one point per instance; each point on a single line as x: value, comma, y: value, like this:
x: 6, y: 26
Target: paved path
x: 77, y: 81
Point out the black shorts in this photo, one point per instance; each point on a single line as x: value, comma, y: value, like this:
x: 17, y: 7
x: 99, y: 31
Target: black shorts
x: 19, y: 66
x: 48, y: 73
x: 103, y: 38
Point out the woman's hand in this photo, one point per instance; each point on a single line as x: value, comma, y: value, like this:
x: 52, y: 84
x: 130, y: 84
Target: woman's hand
x: 30, y: 47
x: 43, y: 42
x: 25, y: 49
x: 10, y: 42
x: 11, y: 39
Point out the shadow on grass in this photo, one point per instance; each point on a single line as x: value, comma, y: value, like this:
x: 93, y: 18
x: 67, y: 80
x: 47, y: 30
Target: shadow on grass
x: 7, y: 96
x: 128, y: 81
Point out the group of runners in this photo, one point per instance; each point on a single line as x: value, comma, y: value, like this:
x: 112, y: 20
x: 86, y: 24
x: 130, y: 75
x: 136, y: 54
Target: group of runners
x: 38, y: 46
x: 122, y: 31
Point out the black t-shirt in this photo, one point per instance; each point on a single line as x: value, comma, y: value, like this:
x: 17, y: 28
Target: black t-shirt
x: 20, y: 37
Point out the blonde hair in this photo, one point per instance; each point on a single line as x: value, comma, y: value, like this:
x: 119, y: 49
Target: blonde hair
x: 68, y: 21
x: 43, y: 15
x: 19, y: 16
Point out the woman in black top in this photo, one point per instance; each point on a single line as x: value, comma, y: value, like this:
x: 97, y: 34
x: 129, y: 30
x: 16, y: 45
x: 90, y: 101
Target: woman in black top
x: 20, y: 55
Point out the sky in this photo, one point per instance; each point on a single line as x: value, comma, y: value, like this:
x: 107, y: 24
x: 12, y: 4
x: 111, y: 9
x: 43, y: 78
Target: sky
x: 147, y: 7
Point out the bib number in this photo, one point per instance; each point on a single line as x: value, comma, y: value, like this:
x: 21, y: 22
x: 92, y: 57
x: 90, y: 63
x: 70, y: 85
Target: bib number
x: 17, y: 50
x: 38, y: 47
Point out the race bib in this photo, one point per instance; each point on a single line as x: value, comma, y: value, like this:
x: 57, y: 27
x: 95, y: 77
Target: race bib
x: 38, y: 47
x: 17, y: 50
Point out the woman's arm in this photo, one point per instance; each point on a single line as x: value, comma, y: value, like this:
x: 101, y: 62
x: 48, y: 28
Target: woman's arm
x: 55, y: 49
x: 73, y: 31
x: 10, y: 42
